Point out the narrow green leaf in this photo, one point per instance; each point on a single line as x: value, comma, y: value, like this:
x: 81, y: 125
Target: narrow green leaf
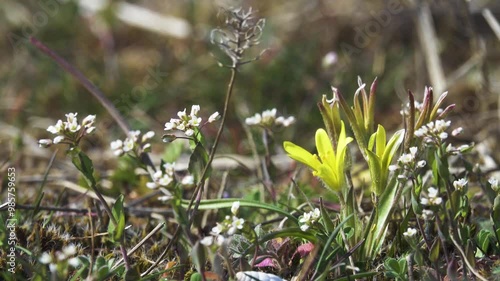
x: 380, y: 143
x: 435, y: 250
x: 197, y: 162
x: 83, y: 163
x: 212, y: 204
x: 198, y: 257
x: 375, y: 172
x: 116, y: 231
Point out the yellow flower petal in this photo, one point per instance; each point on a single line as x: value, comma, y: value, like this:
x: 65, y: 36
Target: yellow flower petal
x: 299, y: 154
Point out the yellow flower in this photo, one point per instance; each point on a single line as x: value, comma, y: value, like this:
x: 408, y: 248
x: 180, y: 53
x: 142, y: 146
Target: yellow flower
x: 328, y: 165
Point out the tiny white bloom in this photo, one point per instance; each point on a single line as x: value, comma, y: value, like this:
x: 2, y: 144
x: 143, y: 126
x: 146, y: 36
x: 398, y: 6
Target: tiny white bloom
x: 304, y: 227
x: 189, y: 132
x: 406, y: 158
x: 117, y: 144
x: 214, y: 117
x: 421, y: 163
x: 493, y: 182
x: 424, y: 201
x: 427, y: 214
x: 460, y: 184
x: 58, y: 139
x: 169, y: 126
x: 56, y: 129
x: 207, y: 240
x: 410, y: 232
x: 443, y: 135
x: 393, y: 168
x: 238, y: 222
x: 45, y: 258
x: 187, y: 180
x: 53, y: 267
x: 182, y: 114
x: 128, y: 144
x: 457, y: 131
x: 151, y: 185
x: 217, y: 229
x: 74, y: 262
x: 194, y: 110
x: 44, y: 142
x: 88, y: 121
x: 235, y: 207
x: 315, y: 214
x: 413, y: 150
x: 219, y: 240
x: 69, y: 250
x: 147, y: 136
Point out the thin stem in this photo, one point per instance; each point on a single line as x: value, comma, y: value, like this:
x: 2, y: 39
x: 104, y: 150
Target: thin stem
x: 214, y: 148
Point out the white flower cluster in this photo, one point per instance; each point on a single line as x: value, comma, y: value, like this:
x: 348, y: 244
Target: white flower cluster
x: 135, y: 142
x: 434, y: 131
x: 427, y: 214
x: 407, y: 161
x: 432, y: 198
x: 308, y: 219
x: 189, y: 123
x: 69, y: 131
x: 268, y: 119
x: 228, y: 227
x: 66, y: 255
x: 163, y: 177
x: 410, y: 232
x: 460, y: 183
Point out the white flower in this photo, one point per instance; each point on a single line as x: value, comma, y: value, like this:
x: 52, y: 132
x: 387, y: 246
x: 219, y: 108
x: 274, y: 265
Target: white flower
x: 88, y: 121
x: 53, y: 267
x: 285, y: 122
x: 74, y: 262
x: 207, y: 240
x: 406, y: 158
x: 214, y: 117
x: 432, y: 197
x: 217, y: 229
x: 187, y: 180
x: 45, y: 258
x: 219, y: 240
x: 58, y: 139
x: 115, y: 145
x: 57, y: 129
x: 194, y: 110
x: 443, y: 135
x: 128, y: 144
x: 189, y: 132
x: 238, y: 223
x: 69, y: 250
x: 460, y: 184
x: 44, y: 142
x: 427, y: 214
x: 147, y: 136
x: 169, y: 126
x: 410, y: 232
x: 315, y: 215
x: 421, y: 163
x: 182, y: 114
x: 493, y: 182
x: 457, y: 131
x: 304, y: 227
x: 235, y: 207
x: 329, y: 59
x: 393, y: 168
x: 254, y: 120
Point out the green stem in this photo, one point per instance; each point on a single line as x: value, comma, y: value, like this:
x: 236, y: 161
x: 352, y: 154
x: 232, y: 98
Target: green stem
x: 197, y: 192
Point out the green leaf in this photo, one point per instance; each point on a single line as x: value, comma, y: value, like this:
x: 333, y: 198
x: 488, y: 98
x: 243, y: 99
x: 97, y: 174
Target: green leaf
x: 326, y: 218
x: 435, y: 249
x: 375, y: 172
x: 116, y: 231
x: 83, y: 163
x: 380, y: 143
x: 198, y: 256
x: 213, y: 204
x: 197, y: 162
x: 391, y: 264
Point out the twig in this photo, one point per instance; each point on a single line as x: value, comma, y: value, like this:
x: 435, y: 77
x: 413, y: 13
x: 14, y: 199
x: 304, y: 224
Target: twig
x: 492, y: 21
x: 428, y: 43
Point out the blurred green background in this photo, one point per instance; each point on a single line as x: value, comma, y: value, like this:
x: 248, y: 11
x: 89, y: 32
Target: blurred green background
x: 154, y: 58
